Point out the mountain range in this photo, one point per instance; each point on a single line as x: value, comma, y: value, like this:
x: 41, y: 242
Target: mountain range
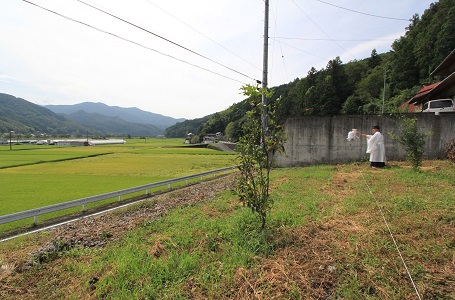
x: 131, y: 114
x: 24, y: 117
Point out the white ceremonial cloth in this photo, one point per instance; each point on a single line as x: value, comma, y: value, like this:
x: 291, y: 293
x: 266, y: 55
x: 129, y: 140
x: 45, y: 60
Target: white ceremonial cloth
x: 375, y: 146
x: 352, y: 135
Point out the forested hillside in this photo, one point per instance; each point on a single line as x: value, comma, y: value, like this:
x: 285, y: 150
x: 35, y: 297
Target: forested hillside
x: 357, y: 87
x: 113, y: 125
x: 188, y: 126
x: 25, y: 117
x: 128, y: 114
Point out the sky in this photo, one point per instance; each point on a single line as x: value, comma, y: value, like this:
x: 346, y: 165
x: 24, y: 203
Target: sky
x: 180, y: 58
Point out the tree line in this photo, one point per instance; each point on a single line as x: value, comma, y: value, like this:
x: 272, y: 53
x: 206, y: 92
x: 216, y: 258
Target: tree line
x: 355, y: 87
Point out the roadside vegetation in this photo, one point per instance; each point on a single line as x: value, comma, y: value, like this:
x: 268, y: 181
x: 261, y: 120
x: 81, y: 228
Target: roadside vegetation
x: 325, y: 239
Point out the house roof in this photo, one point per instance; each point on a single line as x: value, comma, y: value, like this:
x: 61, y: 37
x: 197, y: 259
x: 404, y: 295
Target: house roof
x: 446, y: 67
x: 446, y: 86
x: 441, y: 89
x: 424, y: 91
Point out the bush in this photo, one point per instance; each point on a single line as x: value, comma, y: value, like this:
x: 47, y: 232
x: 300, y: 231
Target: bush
x: 450, y: 150
x: 194, y: 139
x: 412, y: 140
x: 256, y: 149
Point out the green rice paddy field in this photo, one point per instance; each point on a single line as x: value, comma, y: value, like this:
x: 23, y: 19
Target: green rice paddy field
x: 36, y: 176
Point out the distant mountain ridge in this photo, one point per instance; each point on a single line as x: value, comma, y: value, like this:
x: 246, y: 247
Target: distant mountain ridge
x: 130, y: 114
x: 24, y: 117
x: 113, y: 125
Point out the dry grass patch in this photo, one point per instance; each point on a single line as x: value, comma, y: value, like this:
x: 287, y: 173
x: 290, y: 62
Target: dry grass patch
x: 306, y: 268
x: 326, y: 239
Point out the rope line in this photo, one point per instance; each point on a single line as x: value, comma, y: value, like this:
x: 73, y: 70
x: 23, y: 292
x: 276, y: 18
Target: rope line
x: 390, y: 232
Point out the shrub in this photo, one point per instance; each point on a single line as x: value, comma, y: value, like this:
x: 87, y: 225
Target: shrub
x: 450, y: 150
x: 256, y: 149
x: 411, y: 140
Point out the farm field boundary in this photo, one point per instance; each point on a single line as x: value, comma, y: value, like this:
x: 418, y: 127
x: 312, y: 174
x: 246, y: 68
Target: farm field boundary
x: 137, y: 163
x: 35, y: 213
x: 53, y: 160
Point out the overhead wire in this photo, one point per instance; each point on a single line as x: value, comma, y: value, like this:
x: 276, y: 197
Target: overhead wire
x: 204, y: 35
x: 348, y: 9
x: 165, y: 39
x: 363, y: 13
x: 275, y: 11
x: 300, y: 49
x: 320, y: 39
x: 131, y: 41
x: 314, y: 23
x: 270, y: 68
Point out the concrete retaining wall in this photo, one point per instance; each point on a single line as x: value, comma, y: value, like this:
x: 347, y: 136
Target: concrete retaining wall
x: 314, y: 140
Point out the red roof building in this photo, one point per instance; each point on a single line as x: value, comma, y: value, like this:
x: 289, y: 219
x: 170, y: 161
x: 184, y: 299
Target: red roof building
x: 439, y: 90
x: 425, y: 90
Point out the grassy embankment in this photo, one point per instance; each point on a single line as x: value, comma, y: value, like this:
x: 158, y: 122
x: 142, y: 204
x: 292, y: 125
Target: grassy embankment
x: 325, y: 238
x: 37, y: 176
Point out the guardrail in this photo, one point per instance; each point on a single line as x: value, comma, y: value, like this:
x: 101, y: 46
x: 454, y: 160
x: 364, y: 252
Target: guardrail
x: 84, y: 201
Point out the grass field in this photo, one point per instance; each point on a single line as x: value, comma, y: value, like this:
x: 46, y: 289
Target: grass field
x: 325, y: 239
x: 33, y: 177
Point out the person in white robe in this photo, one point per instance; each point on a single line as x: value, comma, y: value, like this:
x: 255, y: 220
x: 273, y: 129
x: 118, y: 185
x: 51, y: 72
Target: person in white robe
x: 375, y: 147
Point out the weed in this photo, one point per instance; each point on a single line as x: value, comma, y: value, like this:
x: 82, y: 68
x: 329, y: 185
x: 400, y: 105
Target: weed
x: 450, y: 150
x: 326, y: 239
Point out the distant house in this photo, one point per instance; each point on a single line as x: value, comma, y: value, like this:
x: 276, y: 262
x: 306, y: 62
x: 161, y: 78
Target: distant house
x: 209, y: 138
x: 189, y: 136
x: 411, y: 103
x: 444, y: 89
x: 213, y: 138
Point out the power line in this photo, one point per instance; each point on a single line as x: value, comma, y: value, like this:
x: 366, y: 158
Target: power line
x: 130, y: 41
x: 281, y: 48
x: 300, y: 49
x: 204, y: 35
x: 165, y: 39
x: 321, y: 39
x: 362, y: 13
x: 321, y: 29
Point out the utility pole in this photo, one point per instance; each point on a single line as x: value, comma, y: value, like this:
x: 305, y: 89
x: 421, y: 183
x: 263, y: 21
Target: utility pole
x: 10, y: 142
x: 383, y: 92
x: 265, y: 68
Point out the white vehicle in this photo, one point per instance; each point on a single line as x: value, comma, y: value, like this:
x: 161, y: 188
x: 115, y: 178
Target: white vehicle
x: 439, y: 105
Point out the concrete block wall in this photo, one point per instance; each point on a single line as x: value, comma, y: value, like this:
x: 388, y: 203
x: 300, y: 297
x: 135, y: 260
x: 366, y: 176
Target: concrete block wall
x: 314, y: 140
